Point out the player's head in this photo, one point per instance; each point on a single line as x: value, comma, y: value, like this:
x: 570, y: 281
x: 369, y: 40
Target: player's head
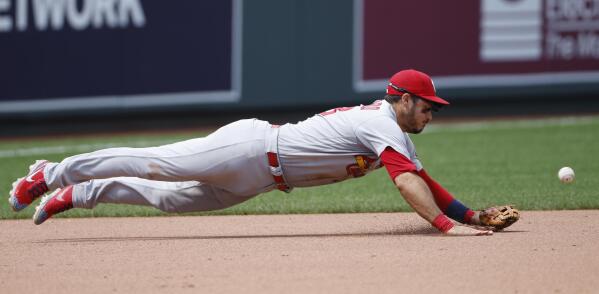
x: 413, y: 95
x: 415, y: 83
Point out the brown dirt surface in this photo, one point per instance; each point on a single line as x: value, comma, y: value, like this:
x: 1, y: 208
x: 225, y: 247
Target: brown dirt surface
x: 545, y: 252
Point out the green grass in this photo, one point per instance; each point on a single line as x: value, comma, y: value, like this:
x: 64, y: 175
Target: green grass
x: 482, y: 164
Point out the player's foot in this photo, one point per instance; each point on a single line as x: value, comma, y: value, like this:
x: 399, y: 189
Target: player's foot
x: 28, y: 188
x: 57, y: 202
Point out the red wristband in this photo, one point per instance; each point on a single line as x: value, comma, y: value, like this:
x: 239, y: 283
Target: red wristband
x: 468, y: 216
x: 442, y: 223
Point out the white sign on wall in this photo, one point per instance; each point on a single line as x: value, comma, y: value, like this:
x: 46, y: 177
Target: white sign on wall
x: 531, y: 30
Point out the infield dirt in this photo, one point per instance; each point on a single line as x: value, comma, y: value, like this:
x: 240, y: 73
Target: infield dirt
x: 545, y: 252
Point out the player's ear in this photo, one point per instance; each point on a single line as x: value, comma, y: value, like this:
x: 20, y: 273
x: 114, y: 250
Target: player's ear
x: 405, y: 99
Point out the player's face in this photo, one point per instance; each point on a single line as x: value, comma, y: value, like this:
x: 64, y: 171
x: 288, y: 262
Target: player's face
x: 417, y: 115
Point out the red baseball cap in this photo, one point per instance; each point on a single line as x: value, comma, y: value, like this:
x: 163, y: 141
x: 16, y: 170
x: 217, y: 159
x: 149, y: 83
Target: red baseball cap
x: 416, y: 83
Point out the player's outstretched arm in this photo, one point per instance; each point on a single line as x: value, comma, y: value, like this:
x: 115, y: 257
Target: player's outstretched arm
x: 493, y: 218
x: 447, y: 203
x: 416, y: 192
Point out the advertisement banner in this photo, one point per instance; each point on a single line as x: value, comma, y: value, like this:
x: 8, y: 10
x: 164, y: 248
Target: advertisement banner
x: 477, y: 43
x: 69, y: 54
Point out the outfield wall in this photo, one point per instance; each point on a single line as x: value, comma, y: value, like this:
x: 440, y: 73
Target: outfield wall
x: 63, y: 55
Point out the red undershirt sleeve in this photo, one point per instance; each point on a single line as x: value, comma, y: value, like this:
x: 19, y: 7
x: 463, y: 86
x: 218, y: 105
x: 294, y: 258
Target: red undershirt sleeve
x: 396, y: 163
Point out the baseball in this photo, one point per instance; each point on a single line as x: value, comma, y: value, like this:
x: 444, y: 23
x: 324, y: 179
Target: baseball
x: 566, y: 175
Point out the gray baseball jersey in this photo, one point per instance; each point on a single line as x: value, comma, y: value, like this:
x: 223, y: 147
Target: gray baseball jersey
x: 332, y: 146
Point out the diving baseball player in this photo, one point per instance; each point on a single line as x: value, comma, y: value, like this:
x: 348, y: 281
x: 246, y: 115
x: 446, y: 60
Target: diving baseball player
x: 251, y: 156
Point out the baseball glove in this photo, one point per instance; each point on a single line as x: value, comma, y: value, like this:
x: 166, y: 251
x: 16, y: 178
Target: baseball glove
x: 499, y: 217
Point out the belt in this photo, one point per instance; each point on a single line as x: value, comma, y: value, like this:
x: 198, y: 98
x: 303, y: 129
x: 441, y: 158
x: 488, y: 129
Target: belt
x: 277, y: 172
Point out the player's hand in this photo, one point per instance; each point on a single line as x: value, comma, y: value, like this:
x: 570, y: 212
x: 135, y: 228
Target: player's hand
x: 462, y: 230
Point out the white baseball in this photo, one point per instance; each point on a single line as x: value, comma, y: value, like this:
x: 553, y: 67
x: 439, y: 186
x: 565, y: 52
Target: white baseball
x: 566, y: 175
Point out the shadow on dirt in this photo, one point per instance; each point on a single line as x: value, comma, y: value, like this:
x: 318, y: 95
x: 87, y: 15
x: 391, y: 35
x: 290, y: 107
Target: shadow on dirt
x: 399, y: 232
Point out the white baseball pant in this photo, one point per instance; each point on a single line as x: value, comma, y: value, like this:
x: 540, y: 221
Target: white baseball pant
x: 225, y: 168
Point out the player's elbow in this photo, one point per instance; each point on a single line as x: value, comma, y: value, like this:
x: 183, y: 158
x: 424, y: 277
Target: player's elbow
x: 404, y: 181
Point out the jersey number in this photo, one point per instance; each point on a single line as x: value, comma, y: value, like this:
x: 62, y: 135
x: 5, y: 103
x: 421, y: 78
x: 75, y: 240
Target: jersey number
x: 374, y: 106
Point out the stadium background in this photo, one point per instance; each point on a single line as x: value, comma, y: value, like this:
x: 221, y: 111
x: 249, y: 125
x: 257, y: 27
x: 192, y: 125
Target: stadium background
x: 153, y: 64
x: 95, y: 72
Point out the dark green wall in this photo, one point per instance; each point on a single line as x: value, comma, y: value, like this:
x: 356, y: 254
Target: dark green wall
x: 297, y: 52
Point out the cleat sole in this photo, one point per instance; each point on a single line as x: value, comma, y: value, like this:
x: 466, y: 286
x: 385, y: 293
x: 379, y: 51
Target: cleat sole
x: 40, y: 214
x: 12, y: 199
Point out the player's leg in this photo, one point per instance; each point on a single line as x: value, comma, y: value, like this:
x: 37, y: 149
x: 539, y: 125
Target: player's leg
x: 166, y: 196
x: 220, y: 158
x: 233, y: 157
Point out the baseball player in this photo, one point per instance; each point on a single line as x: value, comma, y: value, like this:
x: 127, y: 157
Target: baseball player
x: 251, y: 156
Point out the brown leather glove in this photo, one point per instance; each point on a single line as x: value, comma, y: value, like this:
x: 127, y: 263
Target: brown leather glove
x: 499, y: 217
